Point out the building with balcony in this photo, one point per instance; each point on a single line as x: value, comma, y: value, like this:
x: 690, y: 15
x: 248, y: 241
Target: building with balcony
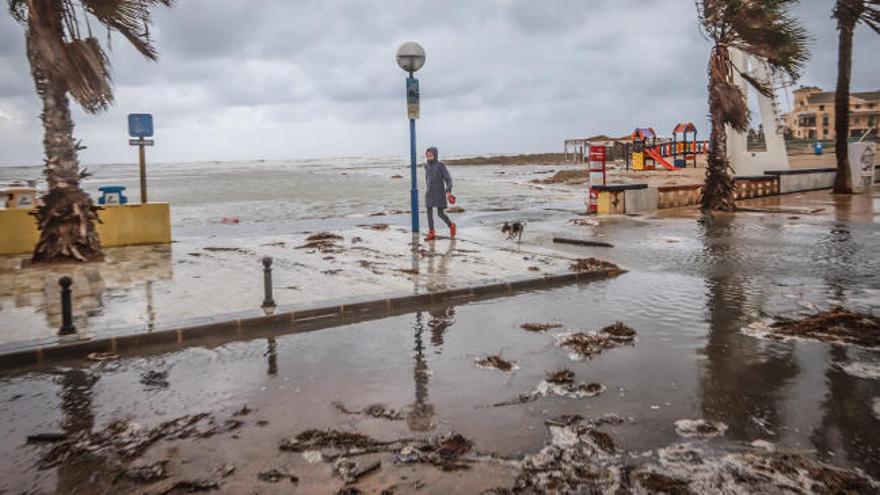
x: 813, y: 114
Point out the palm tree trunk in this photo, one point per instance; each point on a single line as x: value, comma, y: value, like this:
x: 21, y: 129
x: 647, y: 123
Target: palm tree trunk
x: 66, y: 218
x: 846, y: 26
x: 718, y: 193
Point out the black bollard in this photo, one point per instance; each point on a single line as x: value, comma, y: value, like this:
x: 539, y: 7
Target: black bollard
x: 268, y: 300
x: 67, y: 326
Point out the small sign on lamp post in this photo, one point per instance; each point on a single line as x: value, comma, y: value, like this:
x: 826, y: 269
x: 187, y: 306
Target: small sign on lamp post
x: 412, y: 98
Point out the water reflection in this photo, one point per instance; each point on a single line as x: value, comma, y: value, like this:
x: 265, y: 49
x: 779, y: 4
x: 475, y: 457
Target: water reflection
x: 742, y: 382
x: 77, y: 410
x: 441, y: 320
x: 150, y: 309
x: 416, y: 259
x: 751, y: 384
x: 836, y: 250
x: 272, y: 356
x: 438, y: 265
x: 126, y: 273
x: 76, y: 401
x: 848, y: 431
x: 421, y: 414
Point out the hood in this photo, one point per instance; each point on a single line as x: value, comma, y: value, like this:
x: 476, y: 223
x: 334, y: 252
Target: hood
x: 433, y: 149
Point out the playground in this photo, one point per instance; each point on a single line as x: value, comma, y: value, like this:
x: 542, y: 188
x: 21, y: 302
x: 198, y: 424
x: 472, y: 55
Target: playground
x: 644, y: 171
x: 644, y: 149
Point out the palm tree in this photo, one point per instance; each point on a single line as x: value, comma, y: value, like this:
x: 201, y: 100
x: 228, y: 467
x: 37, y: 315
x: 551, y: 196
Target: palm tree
x: 848, y: 13
x: 763, y: 29
x: 66, y: 59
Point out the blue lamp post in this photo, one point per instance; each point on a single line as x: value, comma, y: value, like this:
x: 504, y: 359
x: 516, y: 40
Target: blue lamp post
x: 411, y: 57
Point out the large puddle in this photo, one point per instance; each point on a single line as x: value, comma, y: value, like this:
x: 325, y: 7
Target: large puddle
x: 692, y: 385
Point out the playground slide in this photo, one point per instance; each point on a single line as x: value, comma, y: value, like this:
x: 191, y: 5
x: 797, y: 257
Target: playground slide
x: 659, y: 159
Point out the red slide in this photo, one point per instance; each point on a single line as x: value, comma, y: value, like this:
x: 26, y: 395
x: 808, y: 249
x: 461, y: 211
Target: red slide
x: 659, y: 159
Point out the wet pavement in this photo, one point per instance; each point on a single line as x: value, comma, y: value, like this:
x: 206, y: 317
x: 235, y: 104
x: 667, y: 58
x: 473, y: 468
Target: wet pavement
x: 692, y: 396
x: 145, y: 288
x: 213, y: 268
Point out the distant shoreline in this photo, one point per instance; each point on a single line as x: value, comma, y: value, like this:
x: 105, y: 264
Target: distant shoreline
x: 521, y: 159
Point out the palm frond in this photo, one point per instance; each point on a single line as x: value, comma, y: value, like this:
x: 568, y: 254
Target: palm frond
x: 90, y: 83
x: 763, y: 87
x: 852, y: 12
x: 18, y: 10
x: 730, y: 100
x: 764, y: 29
x: 708, y: 14
x: 78, y: 58
x: 760, y: 28
x: 734, y: 110
x: 130, y: 18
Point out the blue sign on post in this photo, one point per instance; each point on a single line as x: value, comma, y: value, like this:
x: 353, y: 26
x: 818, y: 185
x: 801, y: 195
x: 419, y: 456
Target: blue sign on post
x: 140, y: 125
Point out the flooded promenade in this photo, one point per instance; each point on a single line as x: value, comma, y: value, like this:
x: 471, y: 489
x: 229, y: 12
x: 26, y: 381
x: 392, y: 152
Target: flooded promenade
x: 694, y: 401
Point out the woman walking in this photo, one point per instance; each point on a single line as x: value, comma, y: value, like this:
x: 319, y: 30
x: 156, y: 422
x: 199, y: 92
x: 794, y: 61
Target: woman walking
x: 439, y: 188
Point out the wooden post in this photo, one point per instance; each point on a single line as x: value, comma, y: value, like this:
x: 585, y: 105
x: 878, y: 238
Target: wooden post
x: 142, y: 156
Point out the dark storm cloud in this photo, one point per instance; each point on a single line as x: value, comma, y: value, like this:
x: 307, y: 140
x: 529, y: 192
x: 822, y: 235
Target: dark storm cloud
x: 282, y: 79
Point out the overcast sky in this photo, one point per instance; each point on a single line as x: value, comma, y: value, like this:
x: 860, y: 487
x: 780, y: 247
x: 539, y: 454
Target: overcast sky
x: 281, y: 79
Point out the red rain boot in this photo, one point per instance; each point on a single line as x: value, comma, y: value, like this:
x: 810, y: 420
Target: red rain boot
x: 452, y: 231
x: 431, y: 235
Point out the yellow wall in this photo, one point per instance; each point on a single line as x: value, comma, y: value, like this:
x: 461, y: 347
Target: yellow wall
x: 610, y: 203
x: 18, y: 231
x: 124, y: 225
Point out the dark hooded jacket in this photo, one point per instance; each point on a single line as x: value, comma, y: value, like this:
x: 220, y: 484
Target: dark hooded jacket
x: 439, y: 182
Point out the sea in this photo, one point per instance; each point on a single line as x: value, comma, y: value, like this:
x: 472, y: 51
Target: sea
x: 279, y: 192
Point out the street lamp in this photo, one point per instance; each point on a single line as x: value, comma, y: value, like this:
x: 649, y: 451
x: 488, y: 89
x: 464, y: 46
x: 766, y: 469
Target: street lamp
x: 411, y: 57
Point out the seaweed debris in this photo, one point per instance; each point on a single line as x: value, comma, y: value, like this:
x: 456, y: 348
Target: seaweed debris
x: 539, y: 327
x: 595, y: 265
x: 834, y: 325
x: 324, y: 242
x: 497, y: 362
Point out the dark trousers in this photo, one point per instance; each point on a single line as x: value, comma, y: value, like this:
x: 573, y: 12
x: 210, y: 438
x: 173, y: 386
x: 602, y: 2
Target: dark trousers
x: 441, y: 214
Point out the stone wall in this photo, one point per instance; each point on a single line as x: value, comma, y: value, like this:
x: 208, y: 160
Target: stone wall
x: 791, y: 181
x: 756, y: 187
x: 678, y: 196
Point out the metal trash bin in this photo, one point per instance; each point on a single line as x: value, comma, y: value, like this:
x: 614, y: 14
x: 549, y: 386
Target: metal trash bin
x: 112, y: 195
x: 862, y: 156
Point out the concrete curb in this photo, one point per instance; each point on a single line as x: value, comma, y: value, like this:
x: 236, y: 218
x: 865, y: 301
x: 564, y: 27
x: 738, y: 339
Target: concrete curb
x: 247, y: 325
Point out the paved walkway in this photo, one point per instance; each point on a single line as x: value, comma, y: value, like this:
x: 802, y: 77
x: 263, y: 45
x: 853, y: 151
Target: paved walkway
x: 140, y: 289
x: 147, y: 287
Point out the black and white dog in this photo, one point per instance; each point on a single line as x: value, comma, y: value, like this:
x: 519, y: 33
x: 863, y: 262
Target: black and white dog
x: 514, y: 229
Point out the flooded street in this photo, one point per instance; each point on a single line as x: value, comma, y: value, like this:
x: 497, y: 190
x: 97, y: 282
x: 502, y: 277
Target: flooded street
x: 692, y: 384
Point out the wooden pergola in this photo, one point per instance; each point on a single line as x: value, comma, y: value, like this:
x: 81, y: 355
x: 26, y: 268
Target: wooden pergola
x: 578, y: 147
